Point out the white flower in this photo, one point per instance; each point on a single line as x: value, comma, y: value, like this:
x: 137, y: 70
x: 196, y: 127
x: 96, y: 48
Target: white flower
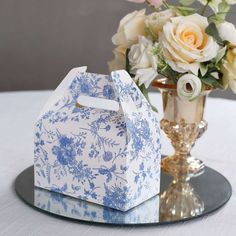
x: 214, y: 4
x: 146, y: 76
x: 140, y: 53
x: 227, y: 31
x: 229, y: 69
x: 231, y: 2
x: 189, y: 87
x: 119, y: 61
x: 142, y: 61
x: 185, y: 43
x: 130, y: 28
x: 157, y: 20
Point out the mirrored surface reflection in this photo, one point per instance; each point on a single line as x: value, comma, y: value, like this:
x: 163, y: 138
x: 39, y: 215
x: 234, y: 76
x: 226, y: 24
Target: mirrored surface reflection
x: 59, y: 204
x: 180, y: 201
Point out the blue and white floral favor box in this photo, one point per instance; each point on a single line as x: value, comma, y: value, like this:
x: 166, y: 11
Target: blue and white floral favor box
x: 98, y: 139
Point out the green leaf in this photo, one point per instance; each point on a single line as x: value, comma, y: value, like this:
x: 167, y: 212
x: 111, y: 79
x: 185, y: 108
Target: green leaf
x: 212, y: 31
x: 223, y: 9
x: 212, y: 67
x: 221, y: 53
x: 186, y: 2
x: 203, y: 69
x: 157, y: 50
x: 144, y: 91
x: 221, y: 15
x: 212, y: 82
x: 165, y: 70
x: 185, y: 11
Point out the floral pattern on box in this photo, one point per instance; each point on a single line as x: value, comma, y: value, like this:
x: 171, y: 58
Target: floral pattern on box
x: 107, y: 157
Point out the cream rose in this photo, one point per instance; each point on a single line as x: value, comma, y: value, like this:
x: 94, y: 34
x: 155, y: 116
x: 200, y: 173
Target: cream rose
x: 229, y: 69
x: 155, y: 21
x: 142, y: 61
x: 185, y: 43
x: 189, y: 86
x: 227, y: 31
x: 119, y: 61
x: 130, y: 28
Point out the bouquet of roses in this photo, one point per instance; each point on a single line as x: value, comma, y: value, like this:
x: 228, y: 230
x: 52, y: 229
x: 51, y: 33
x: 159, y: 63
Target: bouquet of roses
x: 180, y: 43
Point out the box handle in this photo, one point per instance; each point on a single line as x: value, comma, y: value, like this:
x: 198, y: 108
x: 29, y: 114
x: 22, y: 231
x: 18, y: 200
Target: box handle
x: 99, y: 103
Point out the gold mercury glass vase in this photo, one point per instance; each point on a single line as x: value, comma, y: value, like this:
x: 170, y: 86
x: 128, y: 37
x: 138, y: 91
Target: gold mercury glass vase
x: 183, y: 123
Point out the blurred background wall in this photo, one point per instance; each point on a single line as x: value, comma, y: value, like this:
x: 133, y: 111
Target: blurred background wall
x: 41, y: 40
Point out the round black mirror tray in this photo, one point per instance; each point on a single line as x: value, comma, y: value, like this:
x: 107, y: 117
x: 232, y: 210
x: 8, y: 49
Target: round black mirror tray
x: 177, y: 202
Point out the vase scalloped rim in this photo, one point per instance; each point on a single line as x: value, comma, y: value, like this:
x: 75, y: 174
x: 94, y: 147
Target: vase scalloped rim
x: 163, y: 83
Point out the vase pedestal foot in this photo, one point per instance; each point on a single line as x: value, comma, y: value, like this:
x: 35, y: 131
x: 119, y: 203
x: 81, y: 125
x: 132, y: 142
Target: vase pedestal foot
x: 182, y: 168
x: 180, y: 200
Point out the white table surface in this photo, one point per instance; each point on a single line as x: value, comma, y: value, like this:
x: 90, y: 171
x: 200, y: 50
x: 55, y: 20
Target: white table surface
x: 18, y: 113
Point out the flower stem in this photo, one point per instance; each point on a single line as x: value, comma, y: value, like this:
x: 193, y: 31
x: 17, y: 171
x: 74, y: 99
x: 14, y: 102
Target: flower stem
x: 166, y: 5
x: 204, y: 8
x: 144, y: 91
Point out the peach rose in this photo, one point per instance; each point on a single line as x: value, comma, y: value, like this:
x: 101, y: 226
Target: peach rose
x: 185, y: 43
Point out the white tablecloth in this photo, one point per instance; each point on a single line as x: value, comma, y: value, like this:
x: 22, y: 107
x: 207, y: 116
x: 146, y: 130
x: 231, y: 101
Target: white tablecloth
x: 18, y: 113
